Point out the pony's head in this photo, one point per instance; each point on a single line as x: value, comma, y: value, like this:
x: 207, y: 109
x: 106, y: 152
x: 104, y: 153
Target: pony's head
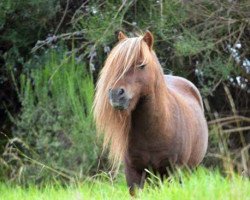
x: 129, y: 74
x: 131, y: 69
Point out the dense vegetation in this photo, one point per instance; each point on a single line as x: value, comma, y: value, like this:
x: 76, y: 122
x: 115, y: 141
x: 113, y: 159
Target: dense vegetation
x: 52, y: 50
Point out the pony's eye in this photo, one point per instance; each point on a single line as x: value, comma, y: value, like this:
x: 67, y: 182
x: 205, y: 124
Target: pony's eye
x: 141, y: 66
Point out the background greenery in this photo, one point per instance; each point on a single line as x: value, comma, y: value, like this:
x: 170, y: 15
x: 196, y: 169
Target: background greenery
x: 52, y: 50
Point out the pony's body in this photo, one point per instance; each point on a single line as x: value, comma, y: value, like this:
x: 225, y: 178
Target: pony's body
x: 161, y: 143
x: 149, y: 119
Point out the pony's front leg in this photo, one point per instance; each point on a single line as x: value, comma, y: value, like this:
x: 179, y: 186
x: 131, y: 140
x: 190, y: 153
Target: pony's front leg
x: 135, y: 178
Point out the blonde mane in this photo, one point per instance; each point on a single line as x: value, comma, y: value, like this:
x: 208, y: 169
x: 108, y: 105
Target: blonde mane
x: 115, y: 124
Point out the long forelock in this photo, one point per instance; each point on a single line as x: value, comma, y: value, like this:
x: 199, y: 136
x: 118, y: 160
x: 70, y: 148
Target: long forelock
x: 124, y: 56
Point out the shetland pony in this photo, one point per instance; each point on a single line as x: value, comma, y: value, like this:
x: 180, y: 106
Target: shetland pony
x: 149, y: 120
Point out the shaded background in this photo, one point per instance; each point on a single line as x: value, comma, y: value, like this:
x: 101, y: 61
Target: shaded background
x: 52, y: 50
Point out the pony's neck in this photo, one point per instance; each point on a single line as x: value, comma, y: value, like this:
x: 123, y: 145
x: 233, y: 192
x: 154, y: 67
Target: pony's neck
x: 153, y: 111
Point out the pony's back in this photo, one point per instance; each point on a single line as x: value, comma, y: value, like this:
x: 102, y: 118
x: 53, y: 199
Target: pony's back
x: 185, y: 87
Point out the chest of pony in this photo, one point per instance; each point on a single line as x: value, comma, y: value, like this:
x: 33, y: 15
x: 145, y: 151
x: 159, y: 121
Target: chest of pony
x: 156, y: 156
x: 153, y: 149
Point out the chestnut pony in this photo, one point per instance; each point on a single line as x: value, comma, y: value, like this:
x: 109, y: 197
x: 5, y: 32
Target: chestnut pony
x: 149, y: 120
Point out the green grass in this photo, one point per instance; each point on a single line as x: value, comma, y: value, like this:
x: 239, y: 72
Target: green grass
x: 202, y: 184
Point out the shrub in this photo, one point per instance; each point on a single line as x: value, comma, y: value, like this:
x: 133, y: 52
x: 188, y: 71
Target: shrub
x: 54, y: 135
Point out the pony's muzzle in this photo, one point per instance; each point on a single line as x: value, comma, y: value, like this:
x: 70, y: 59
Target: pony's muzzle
x: 118, y: 98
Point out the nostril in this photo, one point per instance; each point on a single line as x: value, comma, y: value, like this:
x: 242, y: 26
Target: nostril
x: 121, y: 91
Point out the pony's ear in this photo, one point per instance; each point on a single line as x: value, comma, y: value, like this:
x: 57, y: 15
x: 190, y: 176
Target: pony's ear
x: 149, y: 39
x: 121, y: 36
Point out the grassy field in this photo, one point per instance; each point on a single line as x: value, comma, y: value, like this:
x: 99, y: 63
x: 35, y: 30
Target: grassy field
x: 200, y: 185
